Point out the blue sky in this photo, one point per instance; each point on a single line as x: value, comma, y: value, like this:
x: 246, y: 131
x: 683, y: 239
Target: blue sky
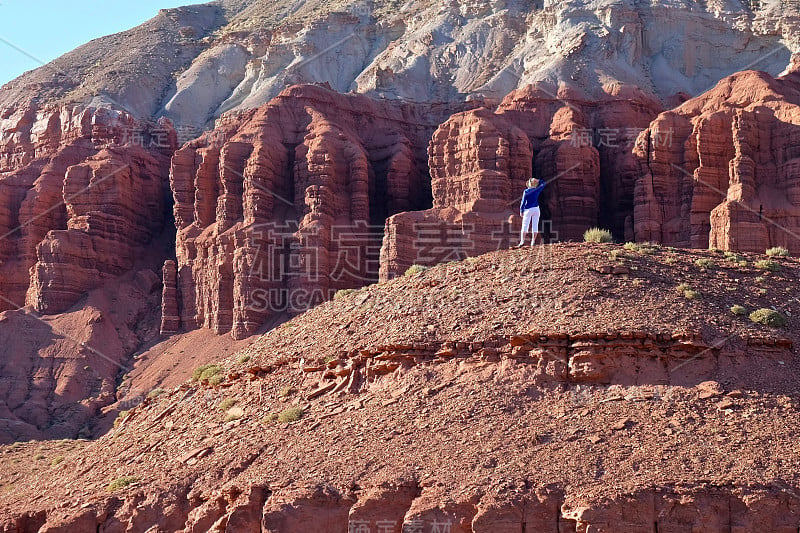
x: 45, y: 29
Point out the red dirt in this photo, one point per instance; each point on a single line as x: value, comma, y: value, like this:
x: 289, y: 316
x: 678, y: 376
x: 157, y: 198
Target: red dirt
x: 517, y: 387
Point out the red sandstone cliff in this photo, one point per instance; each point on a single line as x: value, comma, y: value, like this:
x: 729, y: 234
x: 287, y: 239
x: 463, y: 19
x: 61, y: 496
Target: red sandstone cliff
x: 723, y: 169
x: 480, y: 160
x: 278, y: 208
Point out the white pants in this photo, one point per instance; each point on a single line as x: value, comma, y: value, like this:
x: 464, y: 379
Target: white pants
x: 530, y: 222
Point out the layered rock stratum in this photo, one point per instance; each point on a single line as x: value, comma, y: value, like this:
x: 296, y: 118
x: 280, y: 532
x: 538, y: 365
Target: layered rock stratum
x: 565, y: 389
x: 170, y: 192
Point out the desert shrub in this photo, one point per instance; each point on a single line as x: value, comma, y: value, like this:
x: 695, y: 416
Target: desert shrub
x: 617, y: 254
x: 341, y: 293
x: 57, y: 460
x: 691, y: 294
x: 121, y: 483
x: 234, y: 413
x: 597, y: 235
x: 768, y: 317
x: 670, y: 260
x: 285, y: 392
x: 738, y: 310
x: 244, y: 358
x: 293, y: 414
x: 120, y: 418
x: 415, y: 269
x: 733, y: 257
x: 155, y: 393
x: 270, y: 418
x: 683, y: 287
x: 216, y: 379
x: 227, y: 403
x: 704, y: 263
x: 206, y: 372
x: 777, y: 251
x: 767, y: 264
x: 632, y: 246
x: 759, y: 279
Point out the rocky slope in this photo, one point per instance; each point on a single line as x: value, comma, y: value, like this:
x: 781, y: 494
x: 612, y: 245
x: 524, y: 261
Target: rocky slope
x: 410, y: 146
x: 565, y: 388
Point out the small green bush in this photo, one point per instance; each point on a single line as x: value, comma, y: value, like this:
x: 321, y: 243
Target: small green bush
x: 778, y: 251
x: 206, y: 372
x: 216, y: 379
x: 597, y: 235
x: 243, y: 358
x: 767, y: 264
x: 768, y: 317
x: 738, y: 310
x: 632, y: 246
x: 270, y: 418
x: 341, y: 293
x: 227, y: 403
x: 415, y: 269
x: 57, y: 460
x: 234, y: 413
x: 121, y: 483
x: 691, y: 294
x: 704, y: 263
x: 683, y: 287
x: 293, y: 414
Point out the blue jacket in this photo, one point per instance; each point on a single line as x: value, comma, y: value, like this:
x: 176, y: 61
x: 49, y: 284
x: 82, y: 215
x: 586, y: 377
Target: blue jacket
x: 530, y: 198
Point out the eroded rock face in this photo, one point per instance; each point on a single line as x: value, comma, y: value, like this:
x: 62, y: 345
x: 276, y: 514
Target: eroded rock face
x: 480, y: 160
x: 83, y: 195
x: 280, y: 207
x: 723, y: 169
x: 401, y: 507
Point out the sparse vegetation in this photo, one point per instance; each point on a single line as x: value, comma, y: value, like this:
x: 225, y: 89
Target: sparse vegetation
x: 216, y: 380
x: 293, y: 414
x: 270, y: 418
x: 683, y: 287
x: 768, y: 317
x: 234, y: 413
x: 415, y: 269
x: 120, y: 418
x: 767, y: 264
x: 691, y: 294
x: 155, y: 393
x: 243, y: 358
x: 597, y: 235
x: 617, y: 254
x: 57, y: 460
x: 227, y: 403
x: 646, y: 248
x: 670, y: 260
x: 736, y: 259
x: 704, y: 263
x: 341, y: 293
x: 206, y: 372
x: 759, y: 279
x: 285, y: 392
x: 40, y: 457
x: 738, y: 310
x: 777, y: 251
x: 121, y: 483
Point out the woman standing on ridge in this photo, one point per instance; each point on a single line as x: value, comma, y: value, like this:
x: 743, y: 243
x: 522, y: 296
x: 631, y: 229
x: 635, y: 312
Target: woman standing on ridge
x: 529, y: 210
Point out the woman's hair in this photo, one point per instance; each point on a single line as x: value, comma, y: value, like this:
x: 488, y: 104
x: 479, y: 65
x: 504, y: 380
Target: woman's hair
x: 533, y: 182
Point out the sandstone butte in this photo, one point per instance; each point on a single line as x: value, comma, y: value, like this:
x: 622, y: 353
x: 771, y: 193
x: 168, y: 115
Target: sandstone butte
x: 562, y: 390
